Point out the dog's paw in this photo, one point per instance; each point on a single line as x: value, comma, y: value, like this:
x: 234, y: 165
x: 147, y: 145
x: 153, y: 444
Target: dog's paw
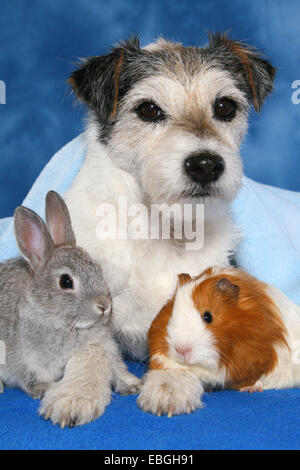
x: 170, y: 392
x: 73, y: 407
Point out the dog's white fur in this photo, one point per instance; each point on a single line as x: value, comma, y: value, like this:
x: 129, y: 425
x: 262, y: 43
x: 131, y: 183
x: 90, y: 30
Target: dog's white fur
x: 144, y: 163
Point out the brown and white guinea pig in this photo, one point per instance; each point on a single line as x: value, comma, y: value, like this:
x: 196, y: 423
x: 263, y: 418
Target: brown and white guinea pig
x: 229, y: 329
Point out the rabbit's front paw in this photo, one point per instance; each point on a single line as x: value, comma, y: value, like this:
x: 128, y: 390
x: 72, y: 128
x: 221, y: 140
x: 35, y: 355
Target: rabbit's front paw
x: 71, y: 407
x: 170, y: 392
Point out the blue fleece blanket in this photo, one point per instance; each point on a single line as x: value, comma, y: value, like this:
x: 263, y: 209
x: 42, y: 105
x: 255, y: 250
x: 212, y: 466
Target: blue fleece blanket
x: 270, y: 250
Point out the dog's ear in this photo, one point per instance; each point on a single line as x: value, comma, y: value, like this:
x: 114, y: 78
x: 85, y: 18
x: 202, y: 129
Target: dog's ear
x: 100, y: 80
x: 258, y: 72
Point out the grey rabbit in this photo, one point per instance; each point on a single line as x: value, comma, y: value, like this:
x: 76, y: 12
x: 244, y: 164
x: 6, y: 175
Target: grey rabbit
x: 55, y: 310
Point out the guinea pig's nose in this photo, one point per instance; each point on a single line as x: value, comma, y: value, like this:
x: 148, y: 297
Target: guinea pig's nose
x: 103, y: 304
x: 204, y: 167
x: 184, y: 351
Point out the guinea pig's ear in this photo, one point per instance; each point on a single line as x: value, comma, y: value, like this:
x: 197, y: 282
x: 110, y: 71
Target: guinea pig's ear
x: 183, y: 279
x: 226, y: 288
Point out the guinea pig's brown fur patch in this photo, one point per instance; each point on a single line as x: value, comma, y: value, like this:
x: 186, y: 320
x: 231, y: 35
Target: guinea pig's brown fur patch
x: 158, y: 333
x: 246, y: 325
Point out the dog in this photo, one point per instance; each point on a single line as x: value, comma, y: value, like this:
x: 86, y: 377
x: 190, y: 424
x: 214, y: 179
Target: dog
x: 165, y: 124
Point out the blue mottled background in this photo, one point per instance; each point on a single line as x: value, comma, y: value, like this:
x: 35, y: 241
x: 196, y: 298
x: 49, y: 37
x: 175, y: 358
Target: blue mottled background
x: 40, y: 39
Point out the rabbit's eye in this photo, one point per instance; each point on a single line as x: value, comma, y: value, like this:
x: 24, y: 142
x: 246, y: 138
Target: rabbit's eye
x: 66, y: 282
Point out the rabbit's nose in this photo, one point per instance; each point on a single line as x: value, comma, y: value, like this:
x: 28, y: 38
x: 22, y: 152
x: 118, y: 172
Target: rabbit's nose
x: 103, y: 304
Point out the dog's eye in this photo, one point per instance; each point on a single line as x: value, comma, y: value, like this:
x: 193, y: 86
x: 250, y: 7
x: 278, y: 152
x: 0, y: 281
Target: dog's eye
x: 66, y: 282
x: 225, y: 109
x: 149, y: 111
x: 207, y: 317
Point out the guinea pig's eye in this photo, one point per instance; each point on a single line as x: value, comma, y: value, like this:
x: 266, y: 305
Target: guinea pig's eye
x: 225, y: 109
x: 207, y: 317
x: 66, y: 282
x: 149, y: 111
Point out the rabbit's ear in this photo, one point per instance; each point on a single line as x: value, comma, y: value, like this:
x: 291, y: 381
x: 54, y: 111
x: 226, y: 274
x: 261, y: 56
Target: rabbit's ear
x: 32, y: 237
x: 58, y: 220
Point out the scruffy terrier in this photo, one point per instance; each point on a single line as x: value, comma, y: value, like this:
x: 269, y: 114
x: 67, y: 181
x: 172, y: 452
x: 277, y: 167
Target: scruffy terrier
x: 165, y: 126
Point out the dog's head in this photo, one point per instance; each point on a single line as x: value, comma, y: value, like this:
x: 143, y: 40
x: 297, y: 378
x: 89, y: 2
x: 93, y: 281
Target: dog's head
x: 175, y: 116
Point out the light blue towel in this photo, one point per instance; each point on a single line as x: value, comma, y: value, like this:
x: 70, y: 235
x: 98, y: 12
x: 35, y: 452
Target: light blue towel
x: 58, y: 174
x: 269, y: 218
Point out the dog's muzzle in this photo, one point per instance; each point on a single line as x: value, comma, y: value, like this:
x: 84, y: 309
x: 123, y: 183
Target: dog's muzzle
x: 204, y: 168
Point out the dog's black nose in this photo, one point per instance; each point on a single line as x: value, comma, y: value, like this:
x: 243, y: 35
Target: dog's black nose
x: 204, y: 167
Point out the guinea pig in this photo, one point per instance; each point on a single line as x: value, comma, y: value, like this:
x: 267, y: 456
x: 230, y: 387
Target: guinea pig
x: 229, y: 330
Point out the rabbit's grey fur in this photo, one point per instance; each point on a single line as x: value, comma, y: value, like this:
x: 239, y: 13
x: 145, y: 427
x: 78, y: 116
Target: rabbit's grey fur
x: 52, y: 335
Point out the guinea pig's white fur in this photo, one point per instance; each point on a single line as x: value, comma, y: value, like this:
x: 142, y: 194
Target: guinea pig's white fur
x: 188, y: 331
